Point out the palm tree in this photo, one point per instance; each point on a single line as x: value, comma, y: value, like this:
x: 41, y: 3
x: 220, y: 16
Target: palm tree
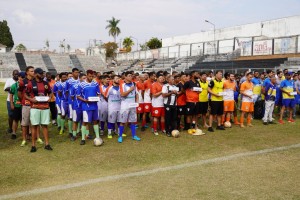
x: 128, y: 43
x: 114, y: 30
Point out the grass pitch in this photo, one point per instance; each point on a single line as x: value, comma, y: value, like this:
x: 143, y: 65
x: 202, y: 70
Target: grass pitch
x: 270, y: 176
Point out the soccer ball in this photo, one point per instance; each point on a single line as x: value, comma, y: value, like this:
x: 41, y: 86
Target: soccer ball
x: 227, y: 124
x: 175, y: 133
x: 98, y: 142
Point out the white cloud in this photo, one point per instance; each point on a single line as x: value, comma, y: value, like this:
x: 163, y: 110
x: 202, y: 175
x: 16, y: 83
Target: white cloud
x: 24, y: 17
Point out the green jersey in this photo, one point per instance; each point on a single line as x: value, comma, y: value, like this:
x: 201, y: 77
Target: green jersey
x: 14, y: 92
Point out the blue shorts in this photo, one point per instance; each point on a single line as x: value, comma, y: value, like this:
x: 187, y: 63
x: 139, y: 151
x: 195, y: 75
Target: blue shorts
x: 289, y: 103
x: 90, y: 115
x: 64, y: 108
x: 77, y: 115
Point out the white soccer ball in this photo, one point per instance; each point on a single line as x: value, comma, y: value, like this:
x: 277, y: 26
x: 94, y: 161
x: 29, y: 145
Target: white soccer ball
x: 175, y: 133
x: 227, y: 124
x: 98, y: 142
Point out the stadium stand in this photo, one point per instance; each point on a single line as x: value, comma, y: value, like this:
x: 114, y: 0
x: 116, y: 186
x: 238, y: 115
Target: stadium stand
x: 35, y: 60
x: 76, y: 62
x: 21, y: 61
x: 8, y: 64
x: 62, y: 63
x: 48, y: 63
x: 95, y: 63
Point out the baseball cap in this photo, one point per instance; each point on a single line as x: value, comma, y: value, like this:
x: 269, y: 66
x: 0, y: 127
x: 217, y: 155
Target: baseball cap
x: 38, y: 71
x: 22, y: 74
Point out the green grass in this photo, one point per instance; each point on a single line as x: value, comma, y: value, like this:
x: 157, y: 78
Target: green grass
x: 270, y: 176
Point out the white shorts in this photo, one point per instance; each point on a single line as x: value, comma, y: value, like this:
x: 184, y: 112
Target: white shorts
x: 127, y: 115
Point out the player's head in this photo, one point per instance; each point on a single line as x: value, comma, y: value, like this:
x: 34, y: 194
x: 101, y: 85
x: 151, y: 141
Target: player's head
x: 256, y: 74
x: 48, y: 76
x: 231, y: 77
x: 63, y: 76
x: 105, y: 79
x: 249, y: 76
x: 82, y: 77
x: 152, y: 76
x: 128, y: 76
x: 160, y: 78
x: 116, y: 79
x: 89, y: 75
x: 203, y: 76
x: 30, y: 71
x: 273, y: 80
x: 219, y: 74
x: 170, y: 79
x: 75, y: 73
x: 142, y: 77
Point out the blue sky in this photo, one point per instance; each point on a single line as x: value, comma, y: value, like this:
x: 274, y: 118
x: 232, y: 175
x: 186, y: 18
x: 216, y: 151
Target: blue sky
x: 78, y: 21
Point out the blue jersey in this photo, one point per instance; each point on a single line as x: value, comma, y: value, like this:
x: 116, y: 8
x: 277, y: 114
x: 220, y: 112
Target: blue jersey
x: 76, y: 104
x: 55, y: 91
x: 62, y: 90
x: 266, y: 82
x: 69, y: 84
x: 86, y: 90
x: 271, y: 90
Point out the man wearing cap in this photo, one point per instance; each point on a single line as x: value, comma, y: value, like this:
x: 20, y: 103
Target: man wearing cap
x: 288, y: 98
x: 37, y: 92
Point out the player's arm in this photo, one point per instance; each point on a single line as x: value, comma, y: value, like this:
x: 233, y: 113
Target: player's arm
x: 209, y: 89
x: 125, y: 94
x: 155, y: 92
x: 11, y: 99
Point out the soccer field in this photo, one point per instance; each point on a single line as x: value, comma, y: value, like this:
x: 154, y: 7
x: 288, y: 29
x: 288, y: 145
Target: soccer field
x: 220, y: 165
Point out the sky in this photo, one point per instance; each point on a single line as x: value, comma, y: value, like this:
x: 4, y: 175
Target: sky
x: 79, y: 22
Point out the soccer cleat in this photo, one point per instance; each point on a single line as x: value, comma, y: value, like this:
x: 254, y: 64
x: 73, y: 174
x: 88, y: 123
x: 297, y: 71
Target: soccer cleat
x: 210, y: 129
x: 61, y: 132
x: 291, y: 120
x: 124, y: 135
x: 237, y: 123
x: 13, y: 136
x: 120, y: 139
x: 136, y: 138
x: 280, y: 122
x: 48, y: 147
x: 164, y: 132
x: 242, y: 126
x: 155, y: 133
x: 109, y: 136
x: 249, y: 125
x: 82, y: 142
x: 169, y: 134
x: 23, y: 143
x: 33, y: 149
x: 73, y: 138
x: 40, y: 141
x: 220, y: 128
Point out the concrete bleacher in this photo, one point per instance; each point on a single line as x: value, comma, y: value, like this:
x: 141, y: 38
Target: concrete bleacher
x: 8, y: 63
x: 62, y: 63
x: 95, y: 63
x: 35, y: 61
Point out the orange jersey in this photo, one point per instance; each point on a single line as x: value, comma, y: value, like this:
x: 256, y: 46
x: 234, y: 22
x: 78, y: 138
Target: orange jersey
x: 147, y: 88
x: 181, y: 100
x: 229, y: 88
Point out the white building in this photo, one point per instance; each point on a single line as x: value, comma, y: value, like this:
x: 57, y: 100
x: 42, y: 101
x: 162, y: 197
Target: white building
x: 3, y: 48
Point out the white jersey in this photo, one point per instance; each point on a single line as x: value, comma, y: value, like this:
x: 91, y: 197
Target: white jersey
x: 157, y: 101
x: 113, y: 96
x: 130, y: 98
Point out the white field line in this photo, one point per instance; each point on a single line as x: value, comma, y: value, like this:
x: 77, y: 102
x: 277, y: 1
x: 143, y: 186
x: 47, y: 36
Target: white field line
x: 145, y: 172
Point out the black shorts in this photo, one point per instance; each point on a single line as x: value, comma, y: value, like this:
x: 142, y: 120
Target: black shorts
x: 216, y: 107
x: 192, y: 108
x: 181, y: 110
x: 17, y: 114
x: 203, y: 107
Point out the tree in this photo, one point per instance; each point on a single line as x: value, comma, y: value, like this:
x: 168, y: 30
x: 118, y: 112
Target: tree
x: 5, y: 35
x: 128, y: 43
x: 47, y: 44
x: 113, y: 29
x: 68, y: 47
x: 154, y: 43
x: 20, y: 47
x: 110, y: 49
x: 144, y: 47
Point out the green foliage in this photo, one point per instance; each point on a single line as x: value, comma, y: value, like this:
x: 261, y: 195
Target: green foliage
x: 128, y: 43
x: 113, y: 29
x: 5, y: 35
x: 154, y: 43
x: 110, y: 49
x: 144, y: 47
x: 21, y: 47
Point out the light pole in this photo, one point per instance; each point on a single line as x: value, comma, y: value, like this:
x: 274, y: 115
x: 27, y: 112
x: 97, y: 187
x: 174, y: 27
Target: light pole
x: 137, y: 42
x: 214, y: 41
